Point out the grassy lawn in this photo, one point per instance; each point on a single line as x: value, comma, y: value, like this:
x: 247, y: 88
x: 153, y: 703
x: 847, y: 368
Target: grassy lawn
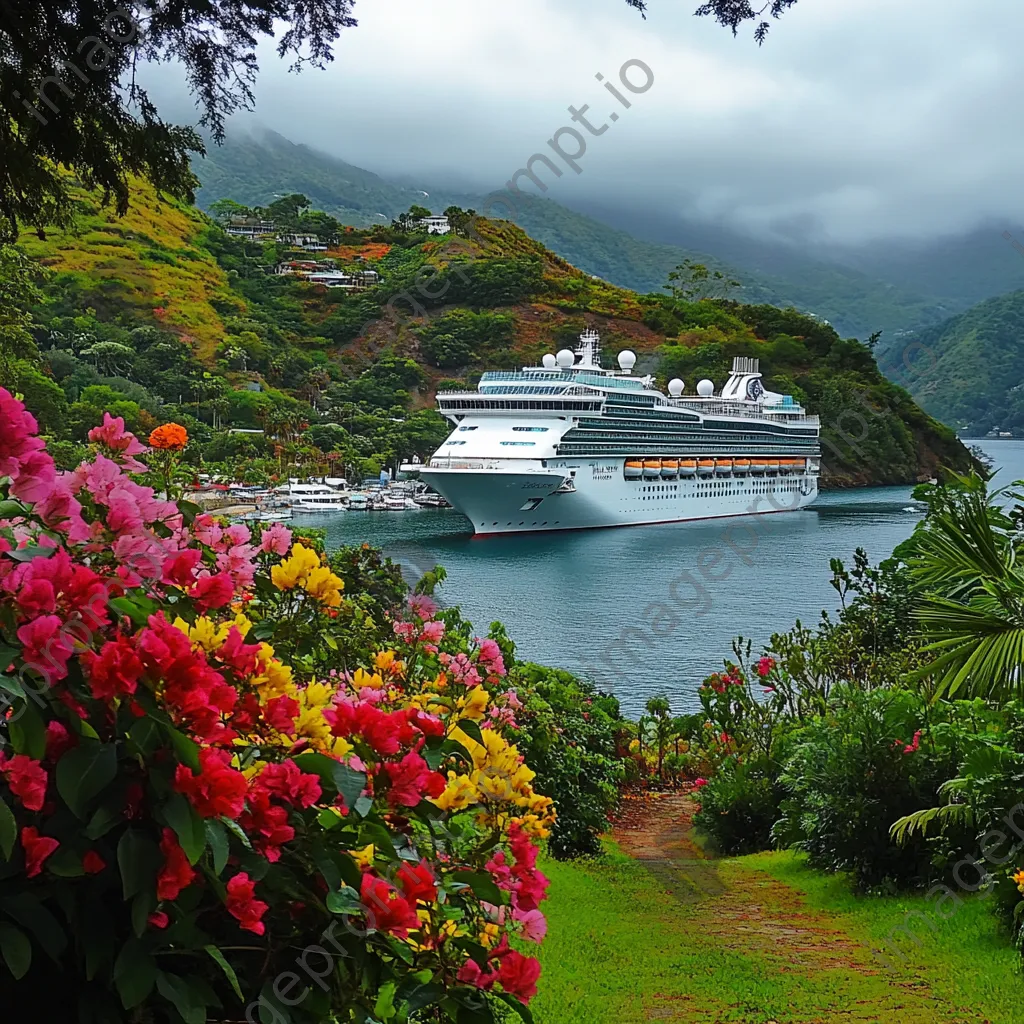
x: 780, y: 943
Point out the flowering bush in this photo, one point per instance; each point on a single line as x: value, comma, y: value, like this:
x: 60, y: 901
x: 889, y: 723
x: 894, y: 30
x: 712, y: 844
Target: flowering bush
x: 198, y: 824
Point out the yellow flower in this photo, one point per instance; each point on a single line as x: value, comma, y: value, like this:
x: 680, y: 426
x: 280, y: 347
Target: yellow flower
x: 361, y: 678
x: 388, y: 661
x: 322, y: 584
x: 459, y: 793
x: 293, y: 571
x: 1019, y: 879
x: 474, y: 704
x: 318, y: 695
x: 363, y: 857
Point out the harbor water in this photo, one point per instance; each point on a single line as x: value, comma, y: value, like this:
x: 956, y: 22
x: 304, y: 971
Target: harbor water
x: 651, y: 609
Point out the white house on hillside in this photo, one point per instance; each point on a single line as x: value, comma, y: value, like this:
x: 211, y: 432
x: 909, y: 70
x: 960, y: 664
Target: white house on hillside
x: 435, y: 225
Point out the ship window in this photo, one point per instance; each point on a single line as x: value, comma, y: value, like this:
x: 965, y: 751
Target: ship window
x: 535, y: 430
x: 455, y: 442
x: 467, y: 428
x: 523, y: 444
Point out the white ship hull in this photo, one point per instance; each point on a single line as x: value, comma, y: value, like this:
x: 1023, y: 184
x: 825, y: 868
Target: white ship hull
x: 529, y: 498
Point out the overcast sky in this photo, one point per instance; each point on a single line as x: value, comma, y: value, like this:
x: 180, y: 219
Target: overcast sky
x: 857, y: 119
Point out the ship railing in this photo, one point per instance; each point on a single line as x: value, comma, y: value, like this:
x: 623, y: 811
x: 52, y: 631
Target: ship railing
x: 449, y: 462
x: 759, y: 412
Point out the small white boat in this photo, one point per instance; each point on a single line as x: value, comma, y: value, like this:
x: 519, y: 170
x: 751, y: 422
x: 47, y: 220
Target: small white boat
x: 316, y: 498
x: 358, y: 502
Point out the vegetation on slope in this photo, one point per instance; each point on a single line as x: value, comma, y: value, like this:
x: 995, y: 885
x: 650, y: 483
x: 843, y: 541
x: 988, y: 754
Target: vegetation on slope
x: 164, y: 315
x: 255, y: 169
x: 968, y: 371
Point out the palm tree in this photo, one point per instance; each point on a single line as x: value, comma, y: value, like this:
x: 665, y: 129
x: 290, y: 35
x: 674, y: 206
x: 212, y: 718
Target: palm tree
x: 970, y: 587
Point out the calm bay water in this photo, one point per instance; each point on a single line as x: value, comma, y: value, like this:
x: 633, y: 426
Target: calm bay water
x: 653, y: 609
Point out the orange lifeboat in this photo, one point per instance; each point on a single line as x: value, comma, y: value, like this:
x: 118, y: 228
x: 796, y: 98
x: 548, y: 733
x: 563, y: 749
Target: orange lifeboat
x: 634, y: 469
x: 741, y: 466
x: 652, y: 468
x: 799, y: 465
x: 723, y: 466
x: 758, y: 465
x: 687, y: 467
x: 705, y: 466
x: 670, y: 467
x: 772, y: 465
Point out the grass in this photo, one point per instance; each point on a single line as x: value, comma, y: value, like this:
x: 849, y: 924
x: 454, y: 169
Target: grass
x: 782, y: 944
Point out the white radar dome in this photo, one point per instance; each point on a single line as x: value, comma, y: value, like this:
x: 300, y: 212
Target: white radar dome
x: 565, y: 358
x: 627, y: 360
x: 675, y: 387
x: 549, y: 361
x: 705, y: 389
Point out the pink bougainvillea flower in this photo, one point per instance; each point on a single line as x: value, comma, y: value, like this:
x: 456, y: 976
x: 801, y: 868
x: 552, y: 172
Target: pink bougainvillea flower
x: 534, y: 925
x: 46, y: 647
x: 122, y: 444
x: 217, y: 789
x: 276, y: 540
x: 158, y: 919
x: 518, y: 975
x: 287, y: 782
x: 418, y: 882
x: 93, y: 863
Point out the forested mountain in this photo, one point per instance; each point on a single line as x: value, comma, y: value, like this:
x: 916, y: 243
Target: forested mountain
x: 162, y: 315
x: 969, y: 370
x: 255, y: 169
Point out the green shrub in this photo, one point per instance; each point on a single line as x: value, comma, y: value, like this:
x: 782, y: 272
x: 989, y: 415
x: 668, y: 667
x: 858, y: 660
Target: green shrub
x: 739, y: 806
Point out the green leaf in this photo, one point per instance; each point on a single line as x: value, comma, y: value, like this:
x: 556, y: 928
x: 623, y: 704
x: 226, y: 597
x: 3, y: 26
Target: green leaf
x: 220, y: 846
x: 186, y: 749
x: 84, y: 772
x: 145, y: 734
x: 471, y: 729
x: 8, y: 683
x: 421, y: 996
x: 384, y: 1008
x: 237, y: 830
x: 330, y: 641
x: 134, y: 973
x: 229, y: 971
x: 11, y: 509
x: 373, y: 832
x: 27, y: 554
x: 26, y: 909
x: 349, y: 783
x: 142, y: 906
x: 520, y: 1008
x: 363, y: 806
x: 8, y: 830
x: 16, y: 949
x: 344, y: 901
x: 28, y: 732
x: 103, y: 820
x: 481, y: 884
x: 125, y: 606
x: 187, y: 825
x: 65, y: 863
x: 138, y: 857
x: 187, y: 1001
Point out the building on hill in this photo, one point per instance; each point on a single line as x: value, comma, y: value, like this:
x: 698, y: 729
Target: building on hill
x: 350, y: 280
x: 435, y: 224
x: 309, y: 243
x: 297, y: 267
x: 249, y: 227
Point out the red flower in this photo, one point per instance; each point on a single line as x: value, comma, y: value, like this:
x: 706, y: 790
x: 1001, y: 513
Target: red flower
x: 267, y: 825
x: 177, y: 873
x: 58, y: 740
x: 280, y: 713
x: 46, y: 647
x: 387, y: 910
x: 418, y: 883
x: 764, y: 666
x: 518, y: 975
x: 243, y: 905
x: 412, y: 780
x: 37, y: 848
x: 471, y: 974
x: 27, y: 779
x: 217, y: 789
x: 288, y: 783
x: 93, y: 863
x: 912, y: 746
x: 114, y: 671
x: 212, y: 591
x: 158, y: 919
x: 180, y: 568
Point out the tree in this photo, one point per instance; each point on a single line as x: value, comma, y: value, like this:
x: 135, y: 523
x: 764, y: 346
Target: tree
x: 694, y: 282
x: 224, y: 210
x: 18, y: 276
x: 733, y: 13
x: 418, y: 212
x: 71, y: 99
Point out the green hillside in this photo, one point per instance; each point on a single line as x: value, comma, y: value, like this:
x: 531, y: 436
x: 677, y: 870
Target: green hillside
x: 968, y: 371
x: 164, y: 316
x: 256, y: 169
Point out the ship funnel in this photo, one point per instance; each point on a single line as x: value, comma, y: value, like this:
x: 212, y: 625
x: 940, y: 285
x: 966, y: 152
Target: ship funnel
x: 744, y: 364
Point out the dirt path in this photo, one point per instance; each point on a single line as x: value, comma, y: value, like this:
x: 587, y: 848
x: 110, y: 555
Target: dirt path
x: 745, y: 912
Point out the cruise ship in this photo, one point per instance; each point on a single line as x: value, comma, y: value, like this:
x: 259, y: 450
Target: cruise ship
x: 570, y: 445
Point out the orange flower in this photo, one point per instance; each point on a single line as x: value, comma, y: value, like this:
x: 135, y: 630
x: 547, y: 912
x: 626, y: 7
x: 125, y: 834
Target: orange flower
x: 170, y: 437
